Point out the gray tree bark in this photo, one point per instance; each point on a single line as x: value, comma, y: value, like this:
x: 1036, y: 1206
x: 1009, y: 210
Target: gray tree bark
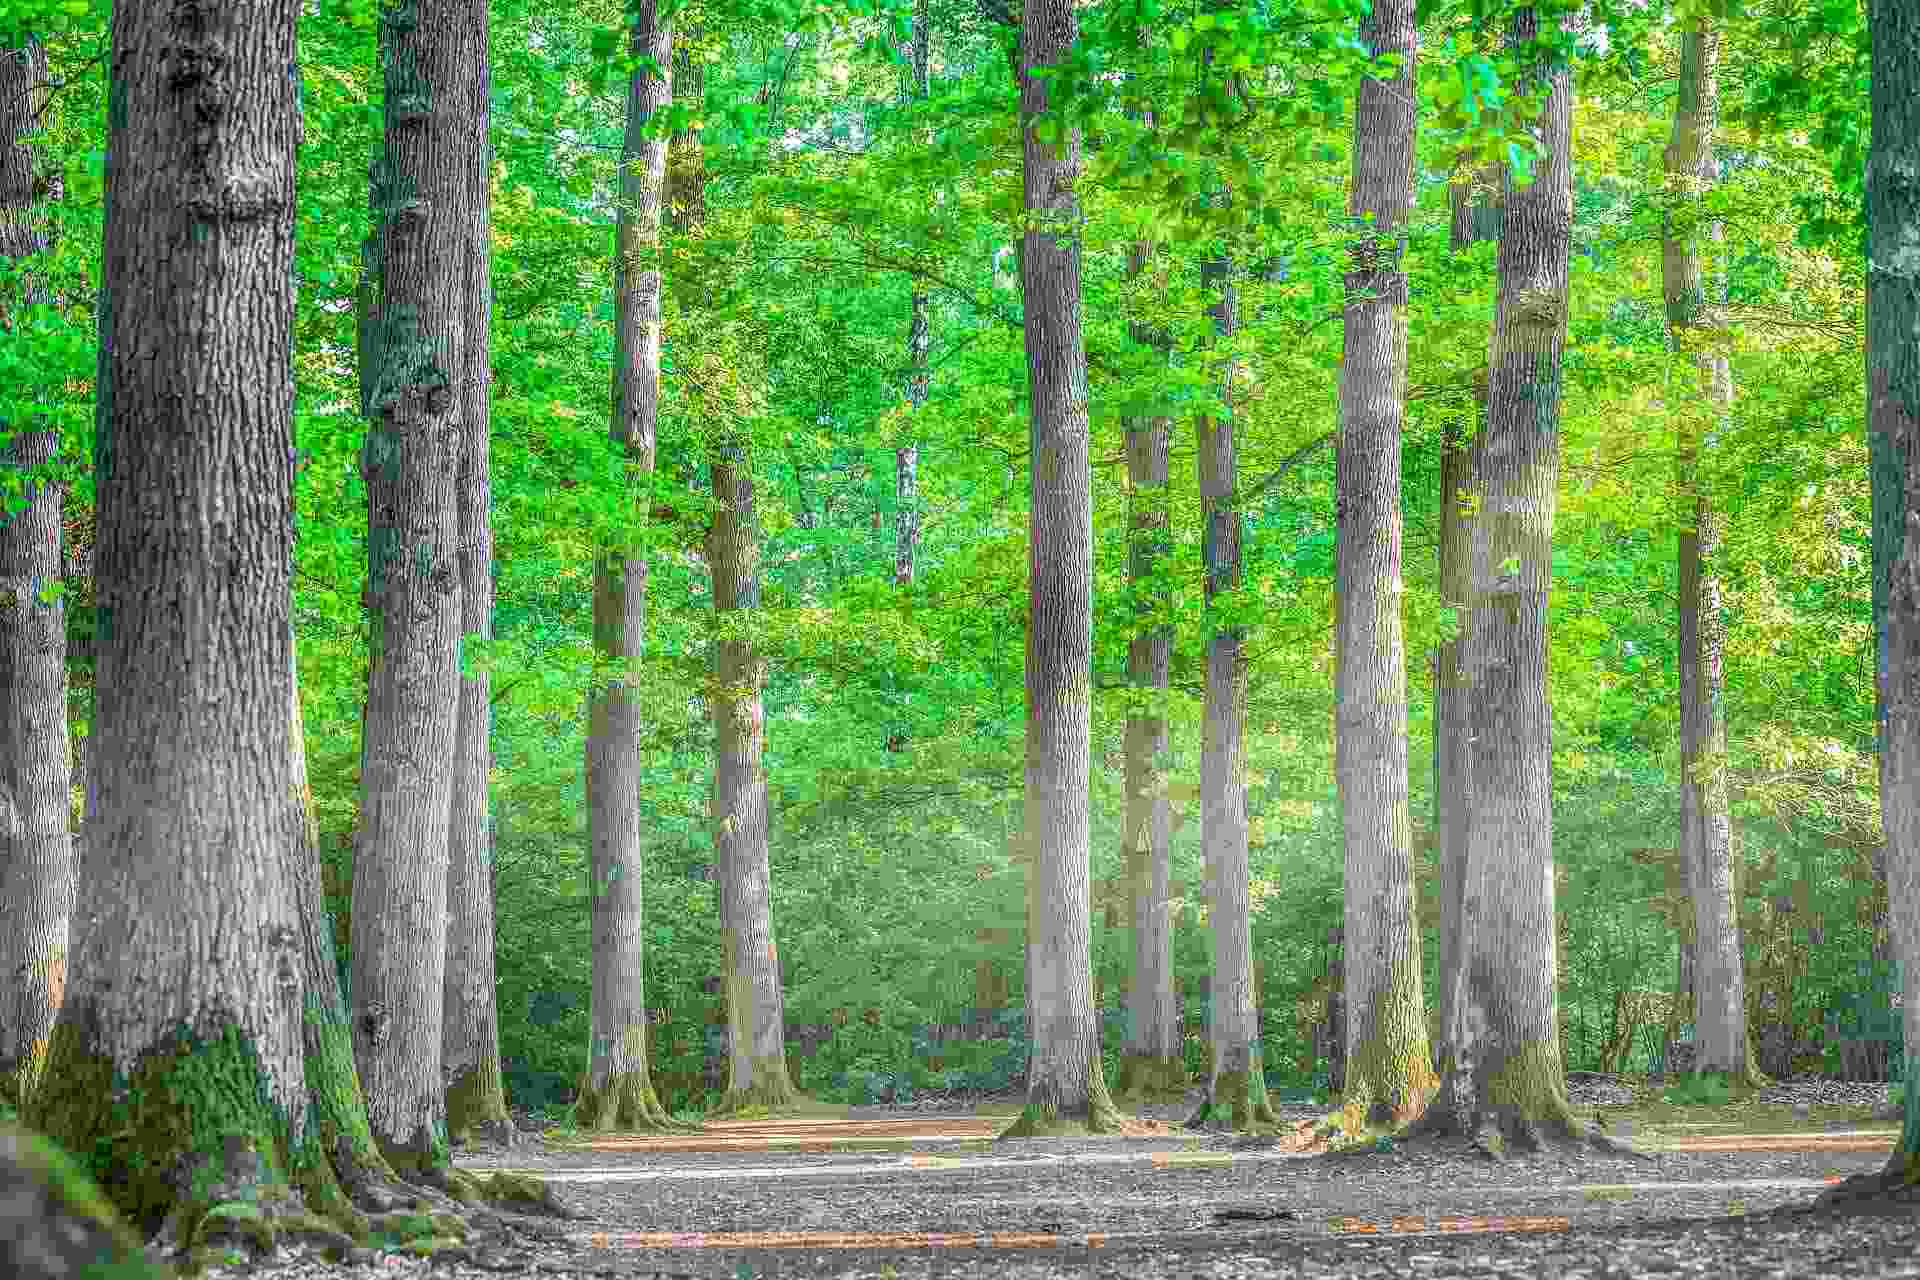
x: 1065, y: 1085
x: 750, y: 962
x: 36, y: 846
x: 1504, y: 1083
x: 906, y: 458
x: 434, y: 52
x: 616, y: 1091
x: 1893, y: 436
x: 183, y: 1009
x: 1693, y: 292
x: 470, y: 1032
x: 1389, y: 1074
x: 1151, y: 1063
x: 1236, y: 1082
x: 1476, y: 216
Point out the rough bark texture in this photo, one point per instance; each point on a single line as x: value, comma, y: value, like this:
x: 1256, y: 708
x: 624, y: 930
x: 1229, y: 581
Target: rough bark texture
x: 1236, y: 1084
x: 36, y: 847
x: 1476, y: 216
x: 470, y: 1032
x: 176, y: 1064
x: 750, y: 961
x: 1151, y: 1063
x: 906, y: 458
x: 1065, y: 1087
x: 418, y: 358
x: 336, y: 1105
x: 1389, y: 1074
x: 1893, y: 436
x: 616, y: 1091
x: 1504, y: 1082
x: 1693, y: 291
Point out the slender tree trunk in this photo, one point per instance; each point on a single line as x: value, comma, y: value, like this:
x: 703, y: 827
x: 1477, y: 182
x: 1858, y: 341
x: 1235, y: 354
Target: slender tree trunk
x: 36, y: 847
x: 470, y: 1035
x: 1505, y: 1082
x: 1706, y: 828
x: 1476, y: 216
x: 906, y: 458
x: 617, y: 1089
x: 1151, y: 1063
x: 1389, y: 1074
x: 176, y: 1063
x: 1236, y: 1084
x: 750, y: 961
x: 1065, y: 1085
x: 1893, y: 436
x: 434, y: 51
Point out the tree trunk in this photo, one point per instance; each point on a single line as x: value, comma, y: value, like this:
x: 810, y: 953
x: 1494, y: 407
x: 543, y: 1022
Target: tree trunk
x: 435, y: 57
x: 1389, y: 1073
x: 1893, y: 435
x: 1236, y: 1084
x: 750, y: 962
x: 1476, y: 216
x: 1706, y: 828
x: 470, y: 1035
x: 36, y: 846
x: 616, y: 1091
x: 1151, y: 1064
x: 906, y: 458
x: 1065, y: 1086
x: 1505, y: 1083
x: 176, y: 1063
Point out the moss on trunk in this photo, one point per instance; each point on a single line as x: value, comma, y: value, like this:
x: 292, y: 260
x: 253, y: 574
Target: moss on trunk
x: 772, y: 1091
x: 1047, y: 1120
x: 626, y: 1103
x: 1150, y: 1078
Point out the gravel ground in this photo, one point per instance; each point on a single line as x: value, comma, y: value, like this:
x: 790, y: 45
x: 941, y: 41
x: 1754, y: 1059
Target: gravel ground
x: 1219, y: 1208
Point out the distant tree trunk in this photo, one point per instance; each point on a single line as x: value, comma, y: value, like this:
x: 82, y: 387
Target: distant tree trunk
x: 1893, y: 435
x: 1706, y: 828
x: 1476, y: 216
x: 756, y: 1025
x: 906, y: 458
x: 1389, y: 1074
x: 470, y: 1035
x: 36, y: 846
x: 1236, y: 1085
x: 1151, y: 1064
x: 616, y: 1091
x: 434, y: 51
x: 175, y: 1072
x: 1505, y: 1083
x: 1065, y: 1085
x: 337, y: 1106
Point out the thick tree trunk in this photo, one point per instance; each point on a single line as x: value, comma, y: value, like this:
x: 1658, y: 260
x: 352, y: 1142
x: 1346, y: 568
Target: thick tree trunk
x: 176, y: 1063
x: 36, y: 846
x: 1065, y: 1085
x: 1236, y: 1084
x: 1151, y: 1063
x: 1476, y: 216
x: 435, y: 54
x: 1505, y: 1083
x: 1893, y: 435
x: 617, y: 1090
x: 906, y: 458
x: 750, y: 961
x: 1706, y: 828
x: 470, y: 1034
x: 1389, y: 1074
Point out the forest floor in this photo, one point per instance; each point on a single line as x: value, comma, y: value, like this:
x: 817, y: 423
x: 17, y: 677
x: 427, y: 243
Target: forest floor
x: 906, y: 1193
